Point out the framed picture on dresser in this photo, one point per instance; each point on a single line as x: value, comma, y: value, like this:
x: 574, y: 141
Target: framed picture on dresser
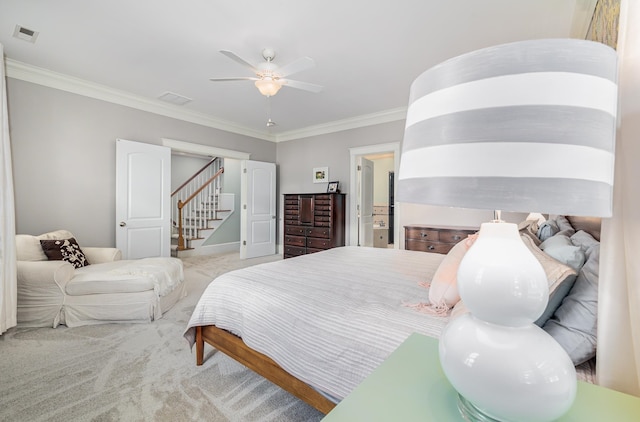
x: 332, y: 187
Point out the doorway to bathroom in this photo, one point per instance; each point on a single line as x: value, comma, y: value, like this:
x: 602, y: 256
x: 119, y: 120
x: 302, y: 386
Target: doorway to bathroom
x: 372, y: 195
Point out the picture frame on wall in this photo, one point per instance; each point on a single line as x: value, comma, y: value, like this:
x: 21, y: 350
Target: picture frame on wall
x: 333, y: 187
x: 320, y: 174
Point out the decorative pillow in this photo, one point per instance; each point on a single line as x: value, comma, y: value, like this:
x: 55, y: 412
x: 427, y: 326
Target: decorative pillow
x: 573, y: 324
x: 564, y: 226
x: 584, y: 241
x: 561, y: 248
x: 556, y: 271
x: 443, y: 292
x: 559, y: 276
x: 64, y: 250
x: 530, y: 228
x: 458, y: 310
x: 547, y: 229
x: 28, y: 247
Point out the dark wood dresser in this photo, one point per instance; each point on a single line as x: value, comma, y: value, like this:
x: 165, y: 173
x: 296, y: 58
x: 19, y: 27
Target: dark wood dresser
x: 313, y: 222
x: 439, y: 239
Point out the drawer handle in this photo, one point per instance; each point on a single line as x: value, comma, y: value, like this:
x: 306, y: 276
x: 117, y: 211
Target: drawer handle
x: 424, y: 235
x: 431, y: 247
x: 457, y: 237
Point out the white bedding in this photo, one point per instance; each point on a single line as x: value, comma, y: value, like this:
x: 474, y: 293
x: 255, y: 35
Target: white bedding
x: 328, y: 318
x: 162, y: 274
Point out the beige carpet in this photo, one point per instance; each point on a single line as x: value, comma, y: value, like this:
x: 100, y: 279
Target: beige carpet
x: 137, y: 372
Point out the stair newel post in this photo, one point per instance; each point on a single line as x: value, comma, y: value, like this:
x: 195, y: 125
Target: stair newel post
x: 180, y: 236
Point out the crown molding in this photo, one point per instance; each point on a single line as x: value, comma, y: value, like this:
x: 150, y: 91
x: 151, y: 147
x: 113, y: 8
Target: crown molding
x: 40, y: 76
x: 386, y: 116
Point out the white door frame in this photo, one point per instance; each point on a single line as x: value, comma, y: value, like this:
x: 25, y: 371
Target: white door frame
x: 211, y: 151
x: 393, y: 147
x: 204, y: 150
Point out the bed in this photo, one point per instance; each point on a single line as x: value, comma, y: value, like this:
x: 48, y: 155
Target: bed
x: 318, y: 324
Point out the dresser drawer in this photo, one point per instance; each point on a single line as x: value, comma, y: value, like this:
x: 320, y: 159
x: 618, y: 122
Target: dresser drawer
x: 294, y: 251
x: 295, y: 240
x: 295, y: 230
x: 418, y: 245
x: 438, y: 239
x: 453, y: 236
x: 318, y: 232
x: 311, y: 250
x: 422, y: 234
x: 318, y: 243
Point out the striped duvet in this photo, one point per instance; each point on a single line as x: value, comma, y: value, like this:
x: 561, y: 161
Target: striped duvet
x: 328, y: 318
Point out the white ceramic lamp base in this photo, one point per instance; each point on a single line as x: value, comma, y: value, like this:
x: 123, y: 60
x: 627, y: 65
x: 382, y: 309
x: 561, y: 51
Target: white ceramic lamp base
x: 509, y: 374
x: 505, y: 367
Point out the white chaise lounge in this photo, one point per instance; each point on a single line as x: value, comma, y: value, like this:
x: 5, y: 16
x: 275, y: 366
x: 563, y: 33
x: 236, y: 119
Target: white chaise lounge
x: 108, y: 289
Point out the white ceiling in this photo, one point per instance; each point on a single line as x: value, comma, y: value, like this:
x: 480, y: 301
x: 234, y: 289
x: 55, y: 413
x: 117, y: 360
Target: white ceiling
x: 367, y: 52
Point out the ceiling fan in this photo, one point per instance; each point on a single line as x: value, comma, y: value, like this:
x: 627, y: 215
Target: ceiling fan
x: 269, y: 77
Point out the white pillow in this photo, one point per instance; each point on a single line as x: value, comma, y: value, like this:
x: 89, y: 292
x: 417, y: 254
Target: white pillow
x: 28, y: 247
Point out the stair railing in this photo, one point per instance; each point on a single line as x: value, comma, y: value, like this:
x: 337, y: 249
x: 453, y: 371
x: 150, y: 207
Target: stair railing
x: 205, y: 186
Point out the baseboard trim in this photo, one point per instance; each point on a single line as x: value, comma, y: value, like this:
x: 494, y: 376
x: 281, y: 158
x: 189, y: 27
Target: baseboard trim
x: 211, y: 249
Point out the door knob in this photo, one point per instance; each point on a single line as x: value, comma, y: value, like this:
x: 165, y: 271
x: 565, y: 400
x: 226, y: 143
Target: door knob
x: 122, y: 224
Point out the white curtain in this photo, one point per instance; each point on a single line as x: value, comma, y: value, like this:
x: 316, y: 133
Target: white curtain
x: 8, y: 286
x: 618, y: 365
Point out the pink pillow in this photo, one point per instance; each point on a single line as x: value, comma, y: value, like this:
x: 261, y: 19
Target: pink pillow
x: 443, y: 292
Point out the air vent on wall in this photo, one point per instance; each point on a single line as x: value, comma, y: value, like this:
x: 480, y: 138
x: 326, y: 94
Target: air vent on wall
x: 173, y: 98
x: 25, y: 34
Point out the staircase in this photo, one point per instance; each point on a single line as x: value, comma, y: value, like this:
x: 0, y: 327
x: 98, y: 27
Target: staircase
x: 199, y: 207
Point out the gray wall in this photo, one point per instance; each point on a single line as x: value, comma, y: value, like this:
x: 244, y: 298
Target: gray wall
x: 183, y: 167
x: 296, y: 159
x: 64, y: 157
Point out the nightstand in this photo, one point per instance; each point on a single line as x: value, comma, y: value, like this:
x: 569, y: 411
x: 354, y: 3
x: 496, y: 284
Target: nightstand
x: 411, y: 386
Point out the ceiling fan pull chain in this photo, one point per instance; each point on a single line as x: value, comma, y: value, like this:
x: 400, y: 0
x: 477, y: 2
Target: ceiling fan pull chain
x: 270, y: 123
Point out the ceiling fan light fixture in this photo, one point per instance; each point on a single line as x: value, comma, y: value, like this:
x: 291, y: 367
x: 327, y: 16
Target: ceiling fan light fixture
x: 268, y: 87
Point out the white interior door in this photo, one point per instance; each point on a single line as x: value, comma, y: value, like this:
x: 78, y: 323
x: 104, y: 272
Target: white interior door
x: 365, y: 202
x: 143, y: 199
x: 258, y: 214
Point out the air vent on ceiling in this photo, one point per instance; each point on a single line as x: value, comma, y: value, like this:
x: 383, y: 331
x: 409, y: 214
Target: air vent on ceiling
x: 25, y: 34
x: 173, y: 98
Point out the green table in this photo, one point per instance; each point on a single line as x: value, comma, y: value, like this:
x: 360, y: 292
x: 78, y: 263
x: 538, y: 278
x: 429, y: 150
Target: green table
x: 410, y: 386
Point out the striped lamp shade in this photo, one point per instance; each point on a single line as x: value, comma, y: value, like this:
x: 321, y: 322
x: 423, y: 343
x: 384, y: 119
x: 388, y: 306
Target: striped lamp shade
x: 526, y: 127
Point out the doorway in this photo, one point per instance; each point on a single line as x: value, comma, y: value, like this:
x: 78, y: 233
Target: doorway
x: 373, y: 221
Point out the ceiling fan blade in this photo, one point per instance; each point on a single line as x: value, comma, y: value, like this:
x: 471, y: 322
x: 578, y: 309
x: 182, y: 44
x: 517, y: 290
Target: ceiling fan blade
x: 241, y: 78
x: 295, y: 66
x: 233, y: 56
x: 302, y: 85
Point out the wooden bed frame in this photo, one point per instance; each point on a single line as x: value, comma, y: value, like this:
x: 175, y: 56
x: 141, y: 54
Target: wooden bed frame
x: 234, y: 347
